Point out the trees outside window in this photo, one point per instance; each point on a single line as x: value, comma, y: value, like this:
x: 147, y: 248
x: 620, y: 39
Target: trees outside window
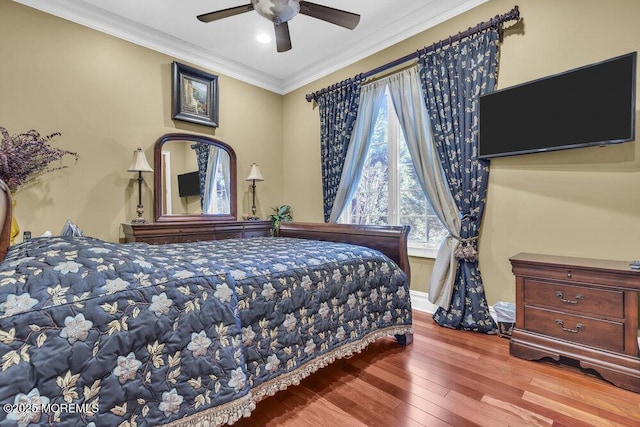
x: 388, y: 191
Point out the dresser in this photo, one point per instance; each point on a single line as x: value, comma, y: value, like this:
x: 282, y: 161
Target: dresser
x: 193, y: 231
x: 578, y: 308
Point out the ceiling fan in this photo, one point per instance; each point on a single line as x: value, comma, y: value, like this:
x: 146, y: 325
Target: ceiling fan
x: 280, y: 12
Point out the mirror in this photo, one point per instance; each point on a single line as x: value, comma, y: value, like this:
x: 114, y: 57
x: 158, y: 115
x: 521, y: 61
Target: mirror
x: 195, y: 179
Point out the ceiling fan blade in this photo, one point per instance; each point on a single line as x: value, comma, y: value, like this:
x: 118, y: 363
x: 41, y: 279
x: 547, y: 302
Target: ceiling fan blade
x: 225, y: 13
x: 283, y: 39
x: 335, y: 16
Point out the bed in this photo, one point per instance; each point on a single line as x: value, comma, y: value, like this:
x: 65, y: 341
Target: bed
x: 192, y: 334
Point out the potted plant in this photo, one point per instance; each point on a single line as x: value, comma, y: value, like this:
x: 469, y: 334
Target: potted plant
x: 280, y: 214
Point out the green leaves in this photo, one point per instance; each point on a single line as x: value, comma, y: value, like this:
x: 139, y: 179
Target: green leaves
x: 280, y: 214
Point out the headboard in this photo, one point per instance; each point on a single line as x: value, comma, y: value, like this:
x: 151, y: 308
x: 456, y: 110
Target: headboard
x: 5, y: 219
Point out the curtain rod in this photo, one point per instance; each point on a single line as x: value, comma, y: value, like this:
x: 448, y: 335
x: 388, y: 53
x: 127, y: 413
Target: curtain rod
x: 513, y: 14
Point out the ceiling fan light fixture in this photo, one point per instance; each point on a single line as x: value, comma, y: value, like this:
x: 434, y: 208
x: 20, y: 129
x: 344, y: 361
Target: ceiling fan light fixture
x: 277, y: 11
x: 263, y: 38
x: 280, y: 12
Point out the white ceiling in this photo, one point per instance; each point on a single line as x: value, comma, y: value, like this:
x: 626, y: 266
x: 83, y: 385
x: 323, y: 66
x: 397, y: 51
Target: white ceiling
x: 229, y: 46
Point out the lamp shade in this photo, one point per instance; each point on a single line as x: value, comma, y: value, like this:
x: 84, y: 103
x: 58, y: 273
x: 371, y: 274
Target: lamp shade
x: 139, y: 162
x: 255, y: 174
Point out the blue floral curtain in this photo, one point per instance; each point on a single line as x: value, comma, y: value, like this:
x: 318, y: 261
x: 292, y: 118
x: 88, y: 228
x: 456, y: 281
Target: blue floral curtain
x: 202, y: 155
x: 453, y: 78
x: 338, y: 109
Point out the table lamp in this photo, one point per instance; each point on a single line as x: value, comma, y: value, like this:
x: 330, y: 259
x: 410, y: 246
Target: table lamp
x: 139, y: 164
x: 254, y: 175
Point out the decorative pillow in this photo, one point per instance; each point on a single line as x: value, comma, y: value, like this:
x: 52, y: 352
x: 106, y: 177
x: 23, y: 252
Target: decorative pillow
x: 70, y: 229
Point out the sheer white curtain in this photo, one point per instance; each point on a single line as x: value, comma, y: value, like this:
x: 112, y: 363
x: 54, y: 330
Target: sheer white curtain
x: 210, y: 203
x: 371, y: 98
x: 408, y: 101
x: 224, y: 163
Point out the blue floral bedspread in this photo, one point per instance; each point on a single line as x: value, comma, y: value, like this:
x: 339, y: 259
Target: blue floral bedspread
x: 102, y: 334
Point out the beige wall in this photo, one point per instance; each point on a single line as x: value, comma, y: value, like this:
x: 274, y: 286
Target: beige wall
x: 583, y: 202
x: 107, y: 97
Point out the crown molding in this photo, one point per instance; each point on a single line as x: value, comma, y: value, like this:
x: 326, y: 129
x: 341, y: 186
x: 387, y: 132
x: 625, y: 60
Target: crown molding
x: 122, y: 28
x: 384, y: 38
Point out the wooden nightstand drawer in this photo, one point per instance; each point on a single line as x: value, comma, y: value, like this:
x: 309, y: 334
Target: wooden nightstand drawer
x: 603, y: 303
x: 579, y: 329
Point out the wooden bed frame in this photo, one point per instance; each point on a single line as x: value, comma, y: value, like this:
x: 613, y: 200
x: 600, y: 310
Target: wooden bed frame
x: 390, y: 240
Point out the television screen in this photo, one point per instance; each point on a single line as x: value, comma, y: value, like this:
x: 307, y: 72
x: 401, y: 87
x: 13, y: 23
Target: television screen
x: 189, y: 184
x: 591, y: 105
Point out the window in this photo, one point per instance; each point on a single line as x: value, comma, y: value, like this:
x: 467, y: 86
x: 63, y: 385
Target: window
x: 388, y: 191
x: 222, y: 196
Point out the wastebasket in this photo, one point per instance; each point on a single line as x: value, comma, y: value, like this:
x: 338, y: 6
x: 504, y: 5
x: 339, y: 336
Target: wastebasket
x: 506, y: 318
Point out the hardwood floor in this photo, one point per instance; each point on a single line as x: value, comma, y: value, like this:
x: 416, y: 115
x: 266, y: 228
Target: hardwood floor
x: 447, y: 378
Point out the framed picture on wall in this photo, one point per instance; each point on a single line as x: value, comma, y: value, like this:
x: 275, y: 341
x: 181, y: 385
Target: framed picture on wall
x: 194, y: 95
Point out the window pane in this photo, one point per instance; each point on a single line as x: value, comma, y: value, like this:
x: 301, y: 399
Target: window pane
x: 388, y: 157
x: 418, y: 232
x: 436, y: 230
x: 377, y: 154
x: 371, y: 201
x: 408, y: 178
x: 413, y: 203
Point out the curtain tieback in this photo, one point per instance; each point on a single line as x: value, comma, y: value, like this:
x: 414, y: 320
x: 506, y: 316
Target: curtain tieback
x: 466, y: 250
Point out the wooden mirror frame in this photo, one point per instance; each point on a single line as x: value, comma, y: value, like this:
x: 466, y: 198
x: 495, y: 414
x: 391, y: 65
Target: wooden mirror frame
x: 159, y: 215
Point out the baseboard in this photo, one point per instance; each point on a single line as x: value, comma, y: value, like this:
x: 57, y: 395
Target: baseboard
x: 420, y: 302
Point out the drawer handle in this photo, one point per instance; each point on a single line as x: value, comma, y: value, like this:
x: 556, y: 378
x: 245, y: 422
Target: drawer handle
x: 568, y: 301
x: 579, y: 327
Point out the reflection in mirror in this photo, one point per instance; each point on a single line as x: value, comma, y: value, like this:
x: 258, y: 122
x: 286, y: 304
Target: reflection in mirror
x: 214, y: 179
x: 195, y: 179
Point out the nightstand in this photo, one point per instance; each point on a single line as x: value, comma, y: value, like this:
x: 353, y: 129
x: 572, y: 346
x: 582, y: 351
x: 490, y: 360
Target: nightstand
x: 579, y: 308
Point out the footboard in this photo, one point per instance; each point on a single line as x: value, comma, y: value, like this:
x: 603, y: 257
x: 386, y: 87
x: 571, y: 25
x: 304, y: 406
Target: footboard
x: 391, y: 240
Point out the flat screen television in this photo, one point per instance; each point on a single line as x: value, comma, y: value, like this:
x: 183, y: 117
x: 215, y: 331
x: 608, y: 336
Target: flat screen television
x: 189, y: 184
x: 590, y: 105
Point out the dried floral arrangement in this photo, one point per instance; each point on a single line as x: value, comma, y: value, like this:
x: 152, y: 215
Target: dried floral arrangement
x: 28, y: 155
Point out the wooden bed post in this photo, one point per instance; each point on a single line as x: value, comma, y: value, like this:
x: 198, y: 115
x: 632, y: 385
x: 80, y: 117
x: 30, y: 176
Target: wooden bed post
x: 406, y: 339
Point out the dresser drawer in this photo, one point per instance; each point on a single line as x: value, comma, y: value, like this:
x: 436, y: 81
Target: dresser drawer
x: 220, y: 235
x: 162, y: 240
x: 256, y: 233
x: 194, y: 231
x: 200, y: 237
x: 604, y: 273
x: 604, y: 303
x: 584, y: 330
